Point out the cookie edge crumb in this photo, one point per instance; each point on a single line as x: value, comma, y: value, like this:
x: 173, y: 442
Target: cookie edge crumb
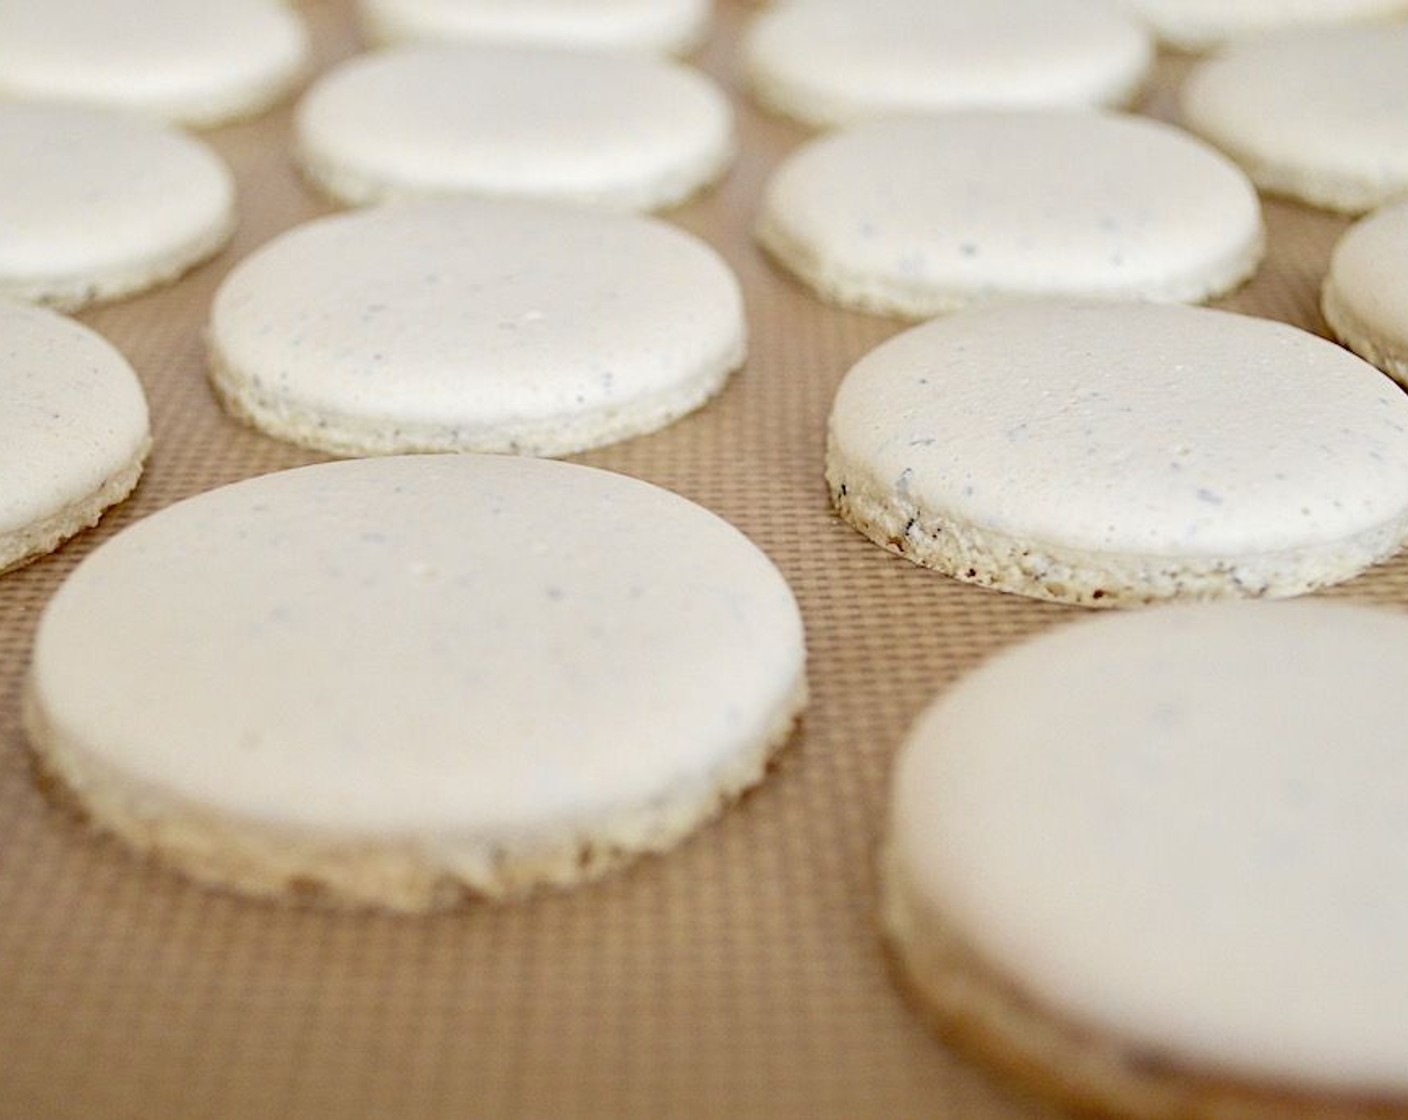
x: 1389, y: 355
x: 974, y: 554
x: 842, y: 286
x: 408, y: 873
x: 987, y: 1017
x: 547, y: 437
x: 30, y: 542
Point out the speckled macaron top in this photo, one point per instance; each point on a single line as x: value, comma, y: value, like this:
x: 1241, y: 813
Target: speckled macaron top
x: 828, y: 62
x: 198, y: 62
x: 631, y: 133
x: 390, y: 675
x: 666, y: 26
x: 1178, y: 833
x: 97, y: 204
x: 1316, y: 115
x: 74, y: 429
x: 1171, y: 450
x: 469, y: 324
x: 1364, y: 295
x: 916, y: 215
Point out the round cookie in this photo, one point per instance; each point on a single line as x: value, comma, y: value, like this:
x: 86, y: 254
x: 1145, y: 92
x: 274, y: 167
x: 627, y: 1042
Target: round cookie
x: 399, y: 680
x: 97, y: 204
x: 474, y: 325
x: 631, y: 133
x: 198, y: 62
x: 1198, y: 25
x: 1149, y: 862
x: 663, y: 26
x: 1317, y: 116
x: 1108, y: 453
x: 1365, y: 294
x: 914, y: 216
x: 73, y: 430
x: 829, y: 62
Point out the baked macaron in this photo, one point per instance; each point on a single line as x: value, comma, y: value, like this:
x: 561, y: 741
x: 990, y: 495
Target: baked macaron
x: 194, y: 62
x: 1148, y: 864
x: 656, y: 26
x: 97, y: 204
x: 830, y: 62
x: 1313, y: 115
x: 912, y: 216
x: 403, y: 680
x: 1115, y: 453
x: 1364, y: 296
x: 620, y: 132
x: 474, y: 325
x: 1203, y: 25
x: 74, y: 430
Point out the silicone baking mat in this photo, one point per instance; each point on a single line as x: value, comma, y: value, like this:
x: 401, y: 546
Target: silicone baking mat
x: 738, y: 976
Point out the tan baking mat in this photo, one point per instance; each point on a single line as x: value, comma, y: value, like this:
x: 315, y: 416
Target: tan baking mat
x: 738, y: 976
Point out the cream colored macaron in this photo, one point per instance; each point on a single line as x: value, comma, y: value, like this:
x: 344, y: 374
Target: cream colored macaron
x: 628, y: 133
x: 663, y: 26
x: 73, y: 430
x: 397, y: 681
x: 917, y: 215
x: 1112, y: 453
x: 1365, y: 293
x: 97, y: 204
x: 1149, y: 863
x: 198, y: 62
x: 829, y: 62
x: 1317, y: 116
x: 474, y: 325
x: 1200, y: 25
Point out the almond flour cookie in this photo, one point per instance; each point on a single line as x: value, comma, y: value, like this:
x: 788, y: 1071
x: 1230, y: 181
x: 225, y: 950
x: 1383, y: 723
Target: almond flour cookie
x: 664, y: 26
x: 1108, y: 454
x: 1198, y: 25
x: 914, y: 216
x: 1317, y: 116
x: 73, y: 430
x: 399, y: 680
x: 198, y: 62
x: 829, y: 62
x: 97, y: 204
x: 1150, y: 863
x: 633, y: 133
x: 1365, y: 294
x: 474, y: 325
